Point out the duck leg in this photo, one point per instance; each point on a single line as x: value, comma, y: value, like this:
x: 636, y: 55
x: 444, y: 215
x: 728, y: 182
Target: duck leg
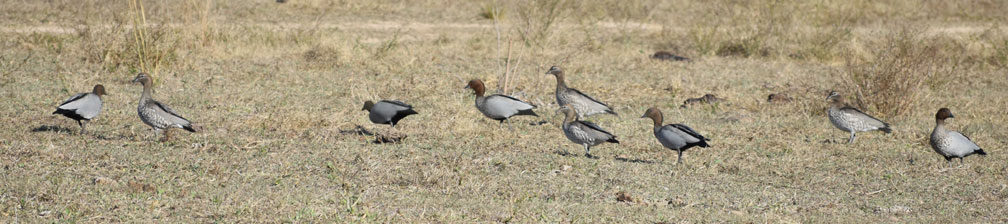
x: 82, y: 124
x: 679, y: 160
x: 587, y: 151
x: 853, y: 134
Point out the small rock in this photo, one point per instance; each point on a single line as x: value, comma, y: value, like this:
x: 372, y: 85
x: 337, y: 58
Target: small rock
x: 137, y: 186
x: 389, y: 137
x: 705, y: 99
x: 778, y: 98
x: 103, y: 181
x: 622, y: 196
x: 665, y: 55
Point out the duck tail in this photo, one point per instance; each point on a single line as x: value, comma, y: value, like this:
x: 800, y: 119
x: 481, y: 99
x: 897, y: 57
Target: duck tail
x: 981, y: 152
x: 613, y: 140
x: 886, y: 129
x: 527, y: 112
x: 192, y: 128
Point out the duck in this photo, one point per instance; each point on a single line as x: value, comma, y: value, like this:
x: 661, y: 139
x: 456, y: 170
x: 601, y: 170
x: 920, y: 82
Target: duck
x: 951, y: 144
x: 82, y: 107
x: 388, y: 111
x: 678, y: 137
x: 851, y: 119
x: 498, y: 107
x: 583, y: 132
x: 158, y: 115
x: 583, y: 104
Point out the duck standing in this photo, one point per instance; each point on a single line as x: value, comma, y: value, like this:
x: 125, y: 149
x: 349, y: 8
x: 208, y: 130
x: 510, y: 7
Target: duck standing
x: 677, y: 137
x: 583, y: 132
x: 82, y: 107
x: 851, y: 119
x: 583, y: 104
x: 158, y: 115
x: 951, y: 144
x: 498, y: 107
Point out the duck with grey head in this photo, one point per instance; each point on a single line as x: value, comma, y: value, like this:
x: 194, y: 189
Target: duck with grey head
x: 82, y: 107
x: 951, y: 144
x: 498, y: 107
x: 584, y: 133
x: 583, y: 104
x: 158, y: 115
x: 676, y: 137
x: 850, y: 119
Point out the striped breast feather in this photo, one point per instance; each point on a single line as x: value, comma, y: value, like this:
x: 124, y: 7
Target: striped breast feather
x: 863, y: 116
x: 592, y: 103
x: 592, y: 126
x: 167, y: 113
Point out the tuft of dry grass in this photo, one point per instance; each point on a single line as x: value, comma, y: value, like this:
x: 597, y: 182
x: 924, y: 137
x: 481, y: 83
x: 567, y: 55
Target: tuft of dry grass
x: 897, y: 72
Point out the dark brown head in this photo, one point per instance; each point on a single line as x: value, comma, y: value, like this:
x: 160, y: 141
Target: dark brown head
x: 98, y: 90
x: 143, y: 79
x: 943, y: 113
x: 368, y: 105
x: 477, y: 86
x: 654, y: 114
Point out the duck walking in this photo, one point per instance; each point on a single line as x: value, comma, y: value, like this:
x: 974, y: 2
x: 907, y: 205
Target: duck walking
x: 677, y: 137
x: 388, y: 111
x: 951, y: 144
x: 851, y: 119
x: 82, y: 107
x: 583, y: 104
x: 584, y: 133
x: 158, y: 115
x: 498, y: 107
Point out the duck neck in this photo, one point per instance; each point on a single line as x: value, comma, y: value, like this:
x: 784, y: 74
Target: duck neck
x: 560, y: 80
x: 657, y: 119
x: 146, y: 96
x: 570, y: 117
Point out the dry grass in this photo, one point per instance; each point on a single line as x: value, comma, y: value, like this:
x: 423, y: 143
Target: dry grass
x: 278, y: 88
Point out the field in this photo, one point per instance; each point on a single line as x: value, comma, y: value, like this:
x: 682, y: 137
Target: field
x: 278, y: 89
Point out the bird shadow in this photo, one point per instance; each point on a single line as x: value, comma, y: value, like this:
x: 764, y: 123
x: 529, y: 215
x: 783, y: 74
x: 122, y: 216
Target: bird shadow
x: 51, y: 128
x: 629, y: 160
x: 565, y: 153
x: 358, y: 130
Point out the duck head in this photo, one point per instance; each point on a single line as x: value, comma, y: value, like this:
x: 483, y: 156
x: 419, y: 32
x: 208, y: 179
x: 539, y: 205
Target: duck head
x: 143, y: 79
x: 654, y: 114
x: 555, y: 70
x: 98, y: 90
x: 368, y: 105
x: 943, y: 113
x: 477, y: 86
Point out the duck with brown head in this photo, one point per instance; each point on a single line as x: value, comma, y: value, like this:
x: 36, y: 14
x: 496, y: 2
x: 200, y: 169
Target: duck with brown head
x: 387, y: 111
x: 158, y: 115
x: 951, y: 144
x: 583, y: 132
x: 583, y: 104
x: 82, y: 107
x: 677, y: 137
x: 498, y: 107
x: 851, y: 119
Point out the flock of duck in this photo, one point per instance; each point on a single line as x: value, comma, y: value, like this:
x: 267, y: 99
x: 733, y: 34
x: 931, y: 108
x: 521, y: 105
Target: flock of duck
x: 574, y: 104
